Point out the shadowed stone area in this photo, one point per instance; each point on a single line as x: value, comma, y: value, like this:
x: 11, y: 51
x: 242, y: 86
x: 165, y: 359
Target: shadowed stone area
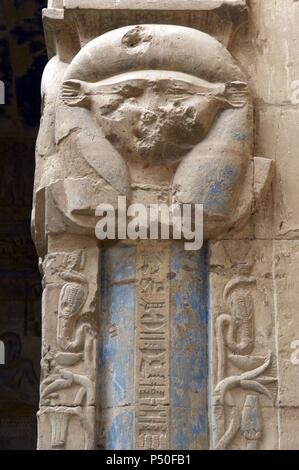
x: 146, y: 345
x: 22, y: 58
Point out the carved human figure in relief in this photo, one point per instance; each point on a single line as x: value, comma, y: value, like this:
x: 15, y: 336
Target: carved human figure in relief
x: 72, y: 298
x: 69, y: 369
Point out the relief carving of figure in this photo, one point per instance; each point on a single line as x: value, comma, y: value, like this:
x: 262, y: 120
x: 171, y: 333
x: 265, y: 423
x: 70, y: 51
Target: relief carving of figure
x: 235, y: 338
x: 75, y: 345
x: 72, y: 298
x: 150, y: 107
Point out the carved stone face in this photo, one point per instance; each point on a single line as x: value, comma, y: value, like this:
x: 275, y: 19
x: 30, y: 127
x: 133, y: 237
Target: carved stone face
x: 241, y: 306
x: 153, y: 116
x: 71, y: 300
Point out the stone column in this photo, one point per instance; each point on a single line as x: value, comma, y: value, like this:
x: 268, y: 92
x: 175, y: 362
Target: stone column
x: 157, y: 112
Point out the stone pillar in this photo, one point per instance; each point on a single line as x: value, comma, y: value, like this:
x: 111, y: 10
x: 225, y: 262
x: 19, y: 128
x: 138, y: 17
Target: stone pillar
x: 67, y: 413
x: 148, y: 103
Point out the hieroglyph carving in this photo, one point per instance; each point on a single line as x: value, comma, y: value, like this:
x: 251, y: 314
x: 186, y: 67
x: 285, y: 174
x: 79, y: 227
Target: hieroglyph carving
x: 75, y: 348
x: 252, y: 425
x: 152, y: 355
x: 235, y: 338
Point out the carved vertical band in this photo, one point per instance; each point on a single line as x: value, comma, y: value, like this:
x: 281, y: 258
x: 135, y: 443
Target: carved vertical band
x: 153, y: 360
x: 152, y: 372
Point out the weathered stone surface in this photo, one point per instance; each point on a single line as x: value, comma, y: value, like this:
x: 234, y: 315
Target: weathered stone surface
x: 289, y: 429
x: 150, y: 5
x: 244, y: 355
x: 268, y: 54
x: 60, y: 428
x: 277, y: 134
x: 163, y: 112
x: 69, y: 348
x: 274, y: 37
x: 286, y: 271
x: 69, y: 25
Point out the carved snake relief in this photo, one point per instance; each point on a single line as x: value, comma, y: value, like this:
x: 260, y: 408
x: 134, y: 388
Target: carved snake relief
x: 235, y: 333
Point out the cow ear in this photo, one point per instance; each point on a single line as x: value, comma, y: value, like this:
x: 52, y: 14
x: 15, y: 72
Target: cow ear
x: 74, y: 93
x: 236, y: 94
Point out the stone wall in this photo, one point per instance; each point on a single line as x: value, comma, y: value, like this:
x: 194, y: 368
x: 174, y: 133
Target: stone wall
x: 267, y: 50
